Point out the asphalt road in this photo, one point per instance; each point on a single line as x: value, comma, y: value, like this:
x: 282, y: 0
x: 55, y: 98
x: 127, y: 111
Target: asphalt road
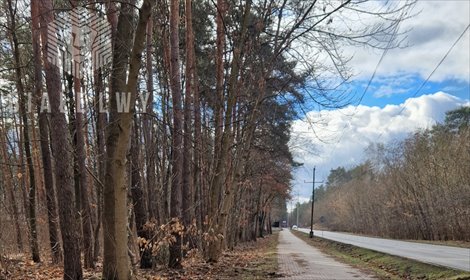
x: 453, y: 257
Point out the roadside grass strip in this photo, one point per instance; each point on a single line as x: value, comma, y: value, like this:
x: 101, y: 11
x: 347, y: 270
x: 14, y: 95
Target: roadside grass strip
x: 384, y: 266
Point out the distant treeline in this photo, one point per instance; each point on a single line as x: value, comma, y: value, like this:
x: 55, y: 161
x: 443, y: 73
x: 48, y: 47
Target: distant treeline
x: 418, y: 188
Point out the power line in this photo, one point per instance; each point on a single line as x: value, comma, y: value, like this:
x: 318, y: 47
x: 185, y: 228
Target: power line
x: 415, y: 93
x: 375, y: 72
x: 387, y: 48
x: 384, y: 53
x: 437, y: 66
x: 419, y: 88
x: 432, y: 72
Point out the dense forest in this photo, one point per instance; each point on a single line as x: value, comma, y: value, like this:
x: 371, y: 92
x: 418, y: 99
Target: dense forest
x: 417, y: 188
x: 171, y: 134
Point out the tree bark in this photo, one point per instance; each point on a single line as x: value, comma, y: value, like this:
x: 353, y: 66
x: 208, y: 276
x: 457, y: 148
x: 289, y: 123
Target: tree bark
x: 116, y: 261
x: 220, y: 174
x: 100, y: 159
x: 27, y: 143
x: 219, y: 87
x: 177, y: 139
x: 139, y: 203
x: 199, y: 182
x: 213, y: 248
x: 62, y: 156
x: 150, y: 145
x: 87, y: 228
x: 56, y: 251
x: 81, y: 171
x: 188, y: 211
x: 8, y: 175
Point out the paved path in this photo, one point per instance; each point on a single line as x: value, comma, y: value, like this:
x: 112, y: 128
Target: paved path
x: 298, y: 260
x: 453, y: 257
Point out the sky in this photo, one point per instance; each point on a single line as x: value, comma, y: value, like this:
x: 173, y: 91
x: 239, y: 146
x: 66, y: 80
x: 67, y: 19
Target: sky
x: 394, y: 105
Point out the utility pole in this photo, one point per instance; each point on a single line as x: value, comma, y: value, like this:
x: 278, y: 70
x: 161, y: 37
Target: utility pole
x: 290, y: 219
x: 298, y: 205
x: 298, y: 208
x: 313, y: 201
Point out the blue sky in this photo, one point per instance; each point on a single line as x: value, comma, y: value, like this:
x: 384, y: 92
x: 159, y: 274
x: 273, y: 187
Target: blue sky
x: 392, y: 107
x: 382, y: 93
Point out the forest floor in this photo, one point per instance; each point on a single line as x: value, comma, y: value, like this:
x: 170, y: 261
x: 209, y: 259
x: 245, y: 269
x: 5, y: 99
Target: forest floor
x: 383, y: 265
x: 251, y: 260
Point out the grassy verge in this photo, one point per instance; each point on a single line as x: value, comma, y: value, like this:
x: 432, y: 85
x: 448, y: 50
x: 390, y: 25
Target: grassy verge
x: 383, y: 265
x: 264, y: 264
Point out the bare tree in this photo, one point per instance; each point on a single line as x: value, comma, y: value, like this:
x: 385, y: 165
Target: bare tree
x: 177, y: 133
x: 12, y: 9
x: 44, y: 140
x: 61, y: 145
x: 188, y: 211
x: 116, y: 262
x: 81, y: 172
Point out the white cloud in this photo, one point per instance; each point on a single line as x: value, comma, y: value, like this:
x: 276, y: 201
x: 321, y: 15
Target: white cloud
x: 388, y: 90
x: 339, y: 137
x: 432, y: 31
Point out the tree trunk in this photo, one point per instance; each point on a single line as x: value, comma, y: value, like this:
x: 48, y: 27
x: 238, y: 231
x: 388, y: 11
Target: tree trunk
x: 87, y: 228
x: 213, y: 248
x: 188, y: 211
x: 220, y: 174
x: 100, y: 158
x: 177, y: 139
x: 165, y: 169
x: 62, y: 146
x: 26, y: 144
x: 8, y: 175
x: 21, y: 167
x: 150, y: 145
x: 219, y: 87
x: 80, y: 157
x: 199, y: 185
x: 56, y: 251
x: 116, y: 260
x: 140, y: 206
x: 72, y: 127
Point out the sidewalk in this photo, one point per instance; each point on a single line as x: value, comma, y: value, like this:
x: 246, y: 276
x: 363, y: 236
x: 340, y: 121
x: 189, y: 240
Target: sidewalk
x: 298, y: 260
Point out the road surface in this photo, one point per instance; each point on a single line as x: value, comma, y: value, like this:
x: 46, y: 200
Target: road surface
x: 453, y: 257
x: 298, y: 260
